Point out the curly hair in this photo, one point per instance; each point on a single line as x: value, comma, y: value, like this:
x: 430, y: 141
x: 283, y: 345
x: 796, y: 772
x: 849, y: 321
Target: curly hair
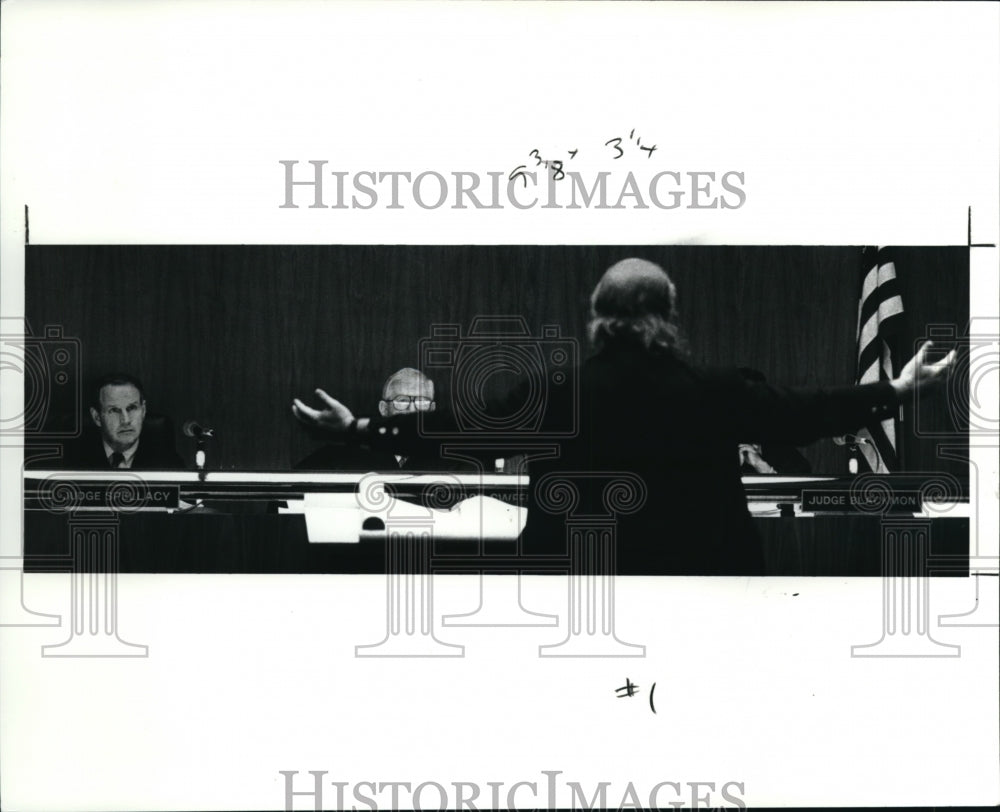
x: 635, y: 302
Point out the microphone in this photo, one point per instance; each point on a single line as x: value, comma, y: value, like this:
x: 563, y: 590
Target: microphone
x: 201, y: 433
x: 193, y: 429
x: 851, y: 439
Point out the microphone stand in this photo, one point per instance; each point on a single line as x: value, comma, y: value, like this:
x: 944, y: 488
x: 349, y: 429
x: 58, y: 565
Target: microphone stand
x: 201, y: 436
x: 852, y: 460
x: 853, y: 444
x: 199, y: 457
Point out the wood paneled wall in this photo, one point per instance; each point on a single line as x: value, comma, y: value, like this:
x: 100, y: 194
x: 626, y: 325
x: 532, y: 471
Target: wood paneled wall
x: 230, y: 334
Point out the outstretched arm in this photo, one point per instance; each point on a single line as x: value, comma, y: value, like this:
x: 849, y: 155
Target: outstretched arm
x: 801, y: 416
x: 400, y: 434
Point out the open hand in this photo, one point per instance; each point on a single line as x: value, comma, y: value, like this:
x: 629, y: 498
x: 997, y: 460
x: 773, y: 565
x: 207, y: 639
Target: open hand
x: 918, y: 373
x: 335, y: 417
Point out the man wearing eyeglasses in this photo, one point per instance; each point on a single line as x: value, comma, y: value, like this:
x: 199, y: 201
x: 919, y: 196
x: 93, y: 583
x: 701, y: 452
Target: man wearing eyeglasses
x: 405, y: 391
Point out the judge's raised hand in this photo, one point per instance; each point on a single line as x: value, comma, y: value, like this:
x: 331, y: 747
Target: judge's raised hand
x: 334, y: 417
x: 919, y: 373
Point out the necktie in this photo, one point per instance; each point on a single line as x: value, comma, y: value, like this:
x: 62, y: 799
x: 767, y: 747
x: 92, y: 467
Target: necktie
x: 117, y: 460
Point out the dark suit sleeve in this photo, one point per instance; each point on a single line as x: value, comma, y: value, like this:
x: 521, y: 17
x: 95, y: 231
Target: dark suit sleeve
x: 762, y: 413
x: 754, y: 412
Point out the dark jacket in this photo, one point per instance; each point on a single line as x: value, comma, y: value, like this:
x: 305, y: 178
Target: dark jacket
x: 87, y: 454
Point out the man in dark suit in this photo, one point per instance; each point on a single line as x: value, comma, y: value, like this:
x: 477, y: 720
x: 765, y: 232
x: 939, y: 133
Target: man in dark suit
x: 674, y: 428
x: 118, y: 440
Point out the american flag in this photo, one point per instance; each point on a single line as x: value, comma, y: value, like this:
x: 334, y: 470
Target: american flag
x: 880, y: 308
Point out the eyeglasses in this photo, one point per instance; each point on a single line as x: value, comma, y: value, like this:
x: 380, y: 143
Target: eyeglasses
x: 401, y: 402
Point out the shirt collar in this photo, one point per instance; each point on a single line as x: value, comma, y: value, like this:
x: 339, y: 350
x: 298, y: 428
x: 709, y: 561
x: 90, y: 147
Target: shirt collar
x: 128, y: 455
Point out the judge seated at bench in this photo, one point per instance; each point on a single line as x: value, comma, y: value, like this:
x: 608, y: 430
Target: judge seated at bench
x: 122, y: 434
x: 770, y: 458
x: 405, y: 391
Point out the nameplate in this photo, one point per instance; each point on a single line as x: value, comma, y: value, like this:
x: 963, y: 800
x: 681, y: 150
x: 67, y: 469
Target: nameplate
x: 445, y: 495
x: 870, y: 501
x: 65, y: 497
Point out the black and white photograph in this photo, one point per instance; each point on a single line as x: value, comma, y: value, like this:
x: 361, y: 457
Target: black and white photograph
x: 743, y: 388
x: 423, y: 405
